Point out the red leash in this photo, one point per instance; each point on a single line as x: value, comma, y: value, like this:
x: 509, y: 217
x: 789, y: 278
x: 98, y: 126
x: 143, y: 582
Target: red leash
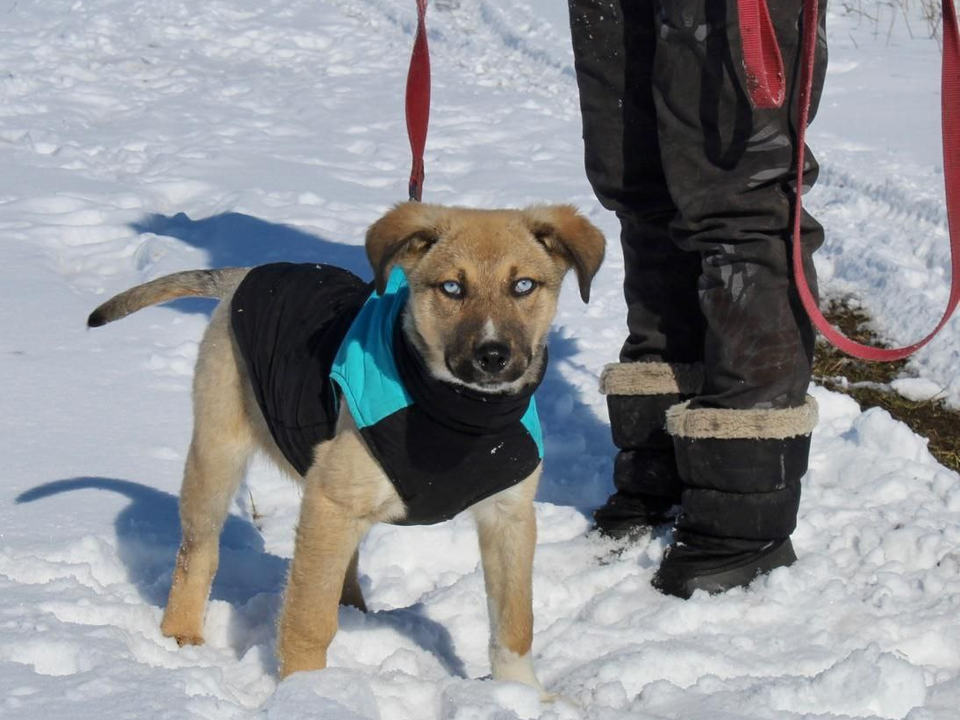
x: 764, y: 70
x: 418, y: 100
x: 761, y: 54
x: 766, y: 83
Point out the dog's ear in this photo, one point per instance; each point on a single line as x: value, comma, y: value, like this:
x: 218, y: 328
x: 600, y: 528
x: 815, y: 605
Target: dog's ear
x: 402, y: 235
x: 565, y: 232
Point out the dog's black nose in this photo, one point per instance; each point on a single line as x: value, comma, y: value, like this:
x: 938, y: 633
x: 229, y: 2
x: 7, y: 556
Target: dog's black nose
x: 492, y: 357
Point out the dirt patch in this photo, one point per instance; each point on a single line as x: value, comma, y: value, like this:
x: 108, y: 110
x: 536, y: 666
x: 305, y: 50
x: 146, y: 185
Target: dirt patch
x: 869, y: 384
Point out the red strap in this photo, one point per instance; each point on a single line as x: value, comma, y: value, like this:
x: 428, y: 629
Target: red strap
x: 761, y: 53
x: 950, y: 99
x: 418, y: 100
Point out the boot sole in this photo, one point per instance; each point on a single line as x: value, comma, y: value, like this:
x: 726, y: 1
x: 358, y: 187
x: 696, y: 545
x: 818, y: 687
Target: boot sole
x: 724, y: 579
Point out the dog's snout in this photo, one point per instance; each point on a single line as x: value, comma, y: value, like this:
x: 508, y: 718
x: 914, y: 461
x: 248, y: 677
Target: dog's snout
x: 492, y: 357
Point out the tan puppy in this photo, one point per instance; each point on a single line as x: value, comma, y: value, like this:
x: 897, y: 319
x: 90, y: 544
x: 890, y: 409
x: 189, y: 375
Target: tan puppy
x: 477, y: 279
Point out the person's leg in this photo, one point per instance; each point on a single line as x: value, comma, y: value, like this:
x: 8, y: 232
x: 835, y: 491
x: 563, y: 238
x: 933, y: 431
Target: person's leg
x: 659, y: 364
x: 742, y: 443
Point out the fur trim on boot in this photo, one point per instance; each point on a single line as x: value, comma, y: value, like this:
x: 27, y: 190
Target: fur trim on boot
x: 651, y: 378
x: 638, y: 397
x: 720, y: 424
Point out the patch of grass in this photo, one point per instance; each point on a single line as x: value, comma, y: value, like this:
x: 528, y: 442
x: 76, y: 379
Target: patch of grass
x: 868, y: 384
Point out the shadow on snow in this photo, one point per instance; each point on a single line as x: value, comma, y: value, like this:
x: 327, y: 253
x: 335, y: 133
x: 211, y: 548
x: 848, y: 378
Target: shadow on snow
x: 249, y: 578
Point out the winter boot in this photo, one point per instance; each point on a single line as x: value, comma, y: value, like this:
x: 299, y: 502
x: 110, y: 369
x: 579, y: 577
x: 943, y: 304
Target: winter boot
x: 645, y: 470
x: 741, y: 471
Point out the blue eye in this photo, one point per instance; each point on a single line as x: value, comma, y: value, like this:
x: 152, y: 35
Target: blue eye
x: 524, y: 286
x: 451, y: 288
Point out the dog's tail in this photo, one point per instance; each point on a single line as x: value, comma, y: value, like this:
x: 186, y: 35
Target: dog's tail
x: 192, y: 283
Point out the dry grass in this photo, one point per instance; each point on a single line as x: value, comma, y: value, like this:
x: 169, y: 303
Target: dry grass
x: 868, y: 384
x: 883, y: 15
x: 255, y: 515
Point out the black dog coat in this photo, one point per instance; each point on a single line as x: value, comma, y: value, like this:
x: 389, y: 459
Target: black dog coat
x: 313, y: 335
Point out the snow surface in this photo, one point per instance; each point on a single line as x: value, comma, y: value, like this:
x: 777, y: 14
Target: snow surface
x: 139, y: 138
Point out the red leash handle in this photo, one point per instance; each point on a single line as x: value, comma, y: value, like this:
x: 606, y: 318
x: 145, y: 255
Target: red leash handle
x: 761, y: 54
x: 762, y: 62
x: 418, y: 101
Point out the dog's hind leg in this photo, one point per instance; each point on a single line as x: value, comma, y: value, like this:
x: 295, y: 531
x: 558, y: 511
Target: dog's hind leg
x: 219, y: 451
x: 507, y: 527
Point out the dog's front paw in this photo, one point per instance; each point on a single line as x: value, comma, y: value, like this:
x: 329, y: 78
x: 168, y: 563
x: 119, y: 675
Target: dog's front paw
x: 182, y: 632
x: 509, y: 666
x: 188, y: 640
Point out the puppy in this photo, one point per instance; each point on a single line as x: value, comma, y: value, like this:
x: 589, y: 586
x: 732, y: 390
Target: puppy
x: 405, y: 402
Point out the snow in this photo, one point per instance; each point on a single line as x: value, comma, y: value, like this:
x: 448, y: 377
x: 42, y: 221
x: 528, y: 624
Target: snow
x: 140, y: 138
x: 917, y: 389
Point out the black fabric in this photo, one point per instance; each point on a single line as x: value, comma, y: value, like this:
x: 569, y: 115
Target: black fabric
x: 741, y: 488
x: 702, y: 183
x: 645, y: 466
x: 761, y: 516
x: 288, y: 320
x: 440, y: 472
x: 743, y: 465
x: 651, y: 473
x: 639, y: 421
x: 453, y: 446
x: 450, y: 449
x: 645, y: 470
x: 626, y: 516
x: 648, y: 487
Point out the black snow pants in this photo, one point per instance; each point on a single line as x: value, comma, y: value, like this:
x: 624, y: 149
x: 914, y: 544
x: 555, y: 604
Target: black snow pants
x: 702, y: 183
